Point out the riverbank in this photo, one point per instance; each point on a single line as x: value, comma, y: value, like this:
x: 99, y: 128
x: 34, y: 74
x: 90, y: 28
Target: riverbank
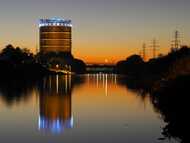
x: 171, y: 99
x: 149, y: 74
x: 166, y: 79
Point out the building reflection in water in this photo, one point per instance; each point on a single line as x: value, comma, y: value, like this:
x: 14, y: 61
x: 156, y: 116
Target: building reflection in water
x: 55, y: 104
x: 102, y: 81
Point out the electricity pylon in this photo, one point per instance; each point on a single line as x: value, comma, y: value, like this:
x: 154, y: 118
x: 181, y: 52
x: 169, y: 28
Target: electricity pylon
x: 144, y: 51
x: 154, y: 47
x: 176, y: 41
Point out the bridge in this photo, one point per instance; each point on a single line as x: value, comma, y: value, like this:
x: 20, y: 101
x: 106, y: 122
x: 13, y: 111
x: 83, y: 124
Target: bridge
x: 89, y: 69
x: 61, y: 71
x: 100, y: 68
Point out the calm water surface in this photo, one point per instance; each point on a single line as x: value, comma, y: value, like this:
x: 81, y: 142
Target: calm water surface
x: 82, y: 109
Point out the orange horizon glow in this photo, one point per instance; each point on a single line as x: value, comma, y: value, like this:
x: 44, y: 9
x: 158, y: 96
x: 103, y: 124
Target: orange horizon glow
x: 102, y: 56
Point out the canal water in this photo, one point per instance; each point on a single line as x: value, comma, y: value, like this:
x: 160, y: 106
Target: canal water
x: 94, y: 108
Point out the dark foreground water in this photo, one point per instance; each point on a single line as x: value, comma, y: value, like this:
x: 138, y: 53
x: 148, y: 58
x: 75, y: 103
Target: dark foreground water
x: 82, y: 109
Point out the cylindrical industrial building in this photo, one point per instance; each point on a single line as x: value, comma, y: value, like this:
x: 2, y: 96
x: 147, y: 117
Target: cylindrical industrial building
x: 55, y: 35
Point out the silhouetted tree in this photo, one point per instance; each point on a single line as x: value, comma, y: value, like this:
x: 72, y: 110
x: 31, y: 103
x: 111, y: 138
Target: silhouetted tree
x: 51, y: 59
x: 16, y: 55
x: 132, y: 66
x: 18, y: 63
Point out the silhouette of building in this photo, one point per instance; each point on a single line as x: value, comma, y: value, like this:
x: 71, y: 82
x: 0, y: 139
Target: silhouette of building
x: 55, y: 35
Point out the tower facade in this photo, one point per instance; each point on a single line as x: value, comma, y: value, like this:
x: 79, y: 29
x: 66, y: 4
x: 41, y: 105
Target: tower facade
x: 55, y: 35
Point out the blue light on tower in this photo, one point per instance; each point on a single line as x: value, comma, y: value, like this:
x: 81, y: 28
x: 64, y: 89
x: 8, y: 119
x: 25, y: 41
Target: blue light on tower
x: 55, y: 22
x: 55, y: 35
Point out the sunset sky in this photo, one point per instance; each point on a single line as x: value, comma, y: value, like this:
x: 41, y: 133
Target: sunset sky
x: 103, y: 30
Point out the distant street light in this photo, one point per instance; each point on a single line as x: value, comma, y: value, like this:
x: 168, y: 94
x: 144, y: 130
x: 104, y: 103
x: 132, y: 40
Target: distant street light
x: 57, y: 66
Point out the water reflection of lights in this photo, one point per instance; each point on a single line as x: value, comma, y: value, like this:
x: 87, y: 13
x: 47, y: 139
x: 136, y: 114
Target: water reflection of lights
x: 102, y: 80
x: 55, y: 126
x: 57, y: 83
x: 55, y: 104
x: 106, y: 85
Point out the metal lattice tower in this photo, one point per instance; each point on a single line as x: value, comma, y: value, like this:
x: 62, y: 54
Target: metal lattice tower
x: 144, y: 51
x: 176, y: 41
x: 155, y: 47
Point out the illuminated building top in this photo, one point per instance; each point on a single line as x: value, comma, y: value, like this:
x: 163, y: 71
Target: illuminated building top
x: 55, y: 22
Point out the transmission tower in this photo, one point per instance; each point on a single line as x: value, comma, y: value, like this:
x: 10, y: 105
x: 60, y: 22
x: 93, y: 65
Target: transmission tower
x: 154, y: 47
x: 176, y: 41
x: 144, y: 51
